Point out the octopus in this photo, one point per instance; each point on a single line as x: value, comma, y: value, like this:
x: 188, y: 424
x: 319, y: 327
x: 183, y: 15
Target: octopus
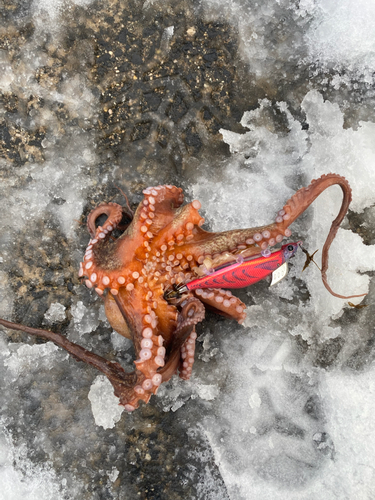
x: 133, y: 259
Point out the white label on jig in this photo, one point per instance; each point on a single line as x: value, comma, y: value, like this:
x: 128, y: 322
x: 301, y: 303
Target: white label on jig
x: 279, y: 273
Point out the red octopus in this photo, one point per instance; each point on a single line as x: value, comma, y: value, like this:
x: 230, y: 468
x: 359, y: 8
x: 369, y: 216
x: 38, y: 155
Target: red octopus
x: 163, y: 245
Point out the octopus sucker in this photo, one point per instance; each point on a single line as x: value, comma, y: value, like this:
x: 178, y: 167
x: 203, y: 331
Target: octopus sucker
x: 164, y: 244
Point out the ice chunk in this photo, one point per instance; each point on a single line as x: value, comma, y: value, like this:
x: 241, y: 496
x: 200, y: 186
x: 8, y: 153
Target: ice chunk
x: 113, y: 475
x: 104, y: 404
x: 55, y: 313
x: 85, y: 320
x: 207, y: 391
x: 168, y: 32
x: 78, y: 311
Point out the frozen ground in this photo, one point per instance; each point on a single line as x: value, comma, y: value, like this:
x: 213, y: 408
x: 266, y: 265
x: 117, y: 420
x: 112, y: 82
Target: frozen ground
x: 279, y: 408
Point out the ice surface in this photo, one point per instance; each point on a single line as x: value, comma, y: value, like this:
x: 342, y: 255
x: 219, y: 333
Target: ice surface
x: 285, y: 465
x: 336, y: 35
x: 346, y: 151
x: 33, y: 483
x: 255, y: 155
x: 23, y: 357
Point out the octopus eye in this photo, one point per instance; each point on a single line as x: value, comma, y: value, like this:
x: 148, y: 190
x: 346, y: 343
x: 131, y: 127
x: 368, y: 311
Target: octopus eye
x: 290, y: 248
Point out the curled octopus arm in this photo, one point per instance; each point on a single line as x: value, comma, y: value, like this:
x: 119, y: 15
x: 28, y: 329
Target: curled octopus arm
x: 303, y: 198
x: 192, y: 312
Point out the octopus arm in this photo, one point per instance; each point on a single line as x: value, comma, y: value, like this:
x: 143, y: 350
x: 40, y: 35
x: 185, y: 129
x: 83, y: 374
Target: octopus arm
x: 221, y: 247
x: 157, y: 209
x: 114, y: 213
x: 180, y: 230
x: 222, y: 302
x: 183, y: 345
